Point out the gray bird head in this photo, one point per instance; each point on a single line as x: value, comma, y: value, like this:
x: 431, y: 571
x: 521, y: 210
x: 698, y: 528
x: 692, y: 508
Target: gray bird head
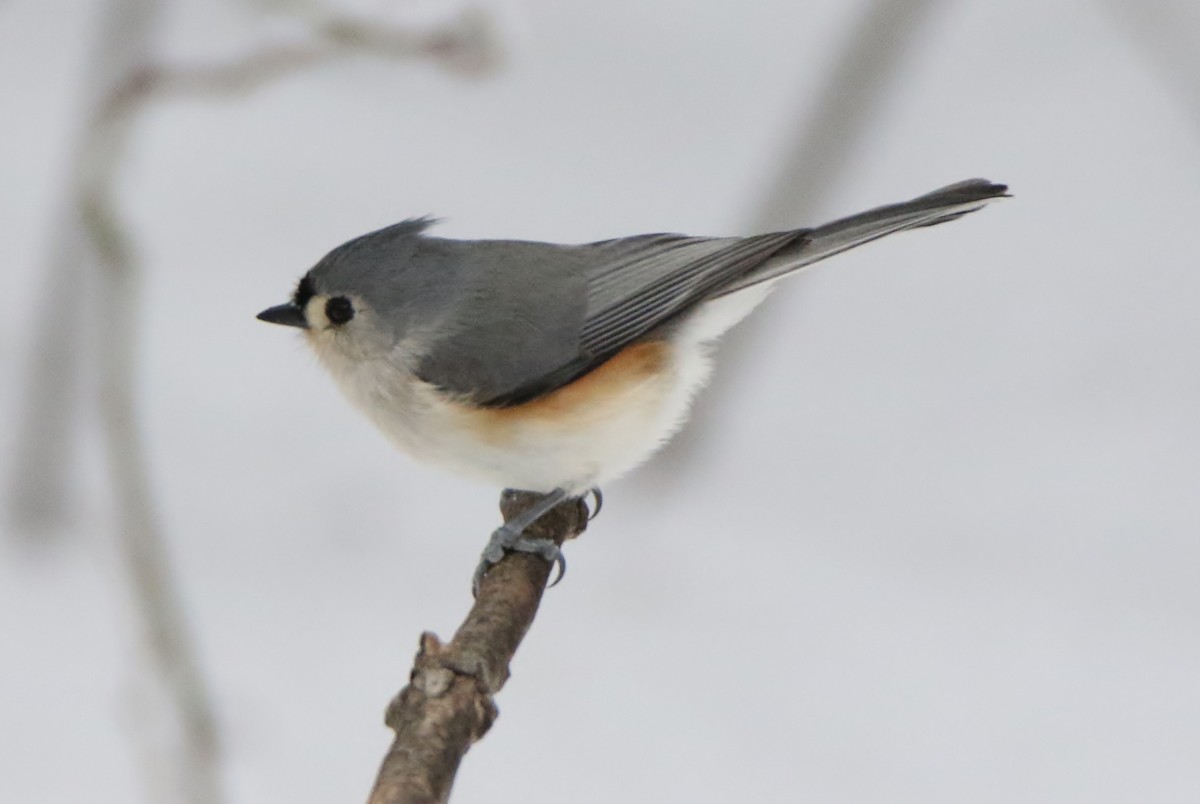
x: 484, y: 319
x: 365, y: 296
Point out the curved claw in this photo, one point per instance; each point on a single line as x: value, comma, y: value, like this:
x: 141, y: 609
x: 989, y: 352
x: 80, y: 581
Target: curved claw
x: 560, y: 564
x: 592, y: 514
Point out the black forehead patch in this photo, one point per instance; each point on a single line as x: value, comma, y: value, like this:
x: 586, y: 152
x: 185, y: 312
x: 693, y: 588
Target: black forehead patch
x: 304, y: 292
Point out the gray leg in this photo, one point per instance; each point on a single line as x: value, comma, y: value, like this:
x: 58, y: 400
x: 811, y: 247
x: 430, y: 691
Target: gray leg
x: 510, y: 537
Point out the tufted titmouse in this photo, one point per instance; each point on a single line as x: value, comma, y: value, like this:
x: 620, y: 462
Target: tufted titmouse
x: 551, y: 368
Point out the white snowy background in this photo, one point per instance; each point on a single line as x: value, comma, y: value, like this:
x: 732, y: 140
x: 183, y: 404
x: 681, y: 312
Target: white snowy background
x: 939, y: 540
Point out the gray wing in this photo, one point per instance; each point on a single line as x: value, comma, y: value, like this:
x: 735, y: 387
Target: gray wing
x: 639, y: 283
x: 512, y: 317
x: 541, y: 315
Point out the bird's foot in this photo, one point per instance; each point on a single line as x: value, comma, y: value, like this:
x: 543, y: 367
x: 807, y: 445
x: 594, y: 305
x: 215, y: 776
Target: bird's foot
x: 510, y: 537
x: 506, y: 539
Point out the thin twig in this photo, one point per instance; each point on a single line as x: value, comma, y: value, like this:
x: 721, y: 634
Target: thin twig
x: 448, y: 703
x: 468, y: 45
x: 196, y: 776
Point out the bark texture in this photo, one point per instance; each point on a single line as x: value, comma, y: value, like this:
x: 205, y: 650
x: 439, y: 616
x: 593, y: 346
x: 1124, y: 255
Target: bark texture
x: 448, y: 703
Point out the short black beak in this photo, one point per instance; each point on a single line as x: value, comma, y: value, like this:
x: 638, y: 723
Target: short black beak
x: 287, y: 314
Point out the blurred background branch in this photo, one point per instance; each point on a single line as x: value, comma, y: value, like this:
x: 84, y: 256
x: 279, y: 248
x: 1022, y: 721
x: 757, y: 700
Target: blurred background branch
x: 91, y: 233
x: 121, y: 76
x: 831, y: 132
x: 1166, y: 32
x: 39, y: 492
x: 827, y: 137
x: 466, y: 46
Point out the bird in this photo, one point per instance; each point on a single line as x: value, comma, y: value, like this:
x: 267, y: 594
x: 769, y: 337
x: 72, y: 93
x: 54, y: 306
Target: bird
x: 547, y: 367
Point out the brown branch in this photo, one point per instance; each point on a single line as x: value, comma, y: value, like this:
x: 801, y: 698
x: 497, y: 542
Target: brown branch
x: 448, y: 704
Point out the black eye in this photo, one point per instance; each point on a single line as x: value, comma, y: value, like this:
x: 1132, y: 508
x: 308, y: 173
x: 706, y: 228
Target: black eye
x: 339, y: 310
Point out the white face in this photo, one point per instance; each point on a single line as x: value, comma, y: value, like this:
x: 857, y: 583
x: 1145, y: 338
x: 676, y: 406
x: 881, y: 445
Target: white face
x: 317, y: 312
x: 344, y: 327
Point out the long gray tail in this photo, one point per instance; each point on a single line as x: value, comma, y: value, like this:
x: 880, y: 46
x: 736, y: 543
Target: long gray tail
x: 939, y: 206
